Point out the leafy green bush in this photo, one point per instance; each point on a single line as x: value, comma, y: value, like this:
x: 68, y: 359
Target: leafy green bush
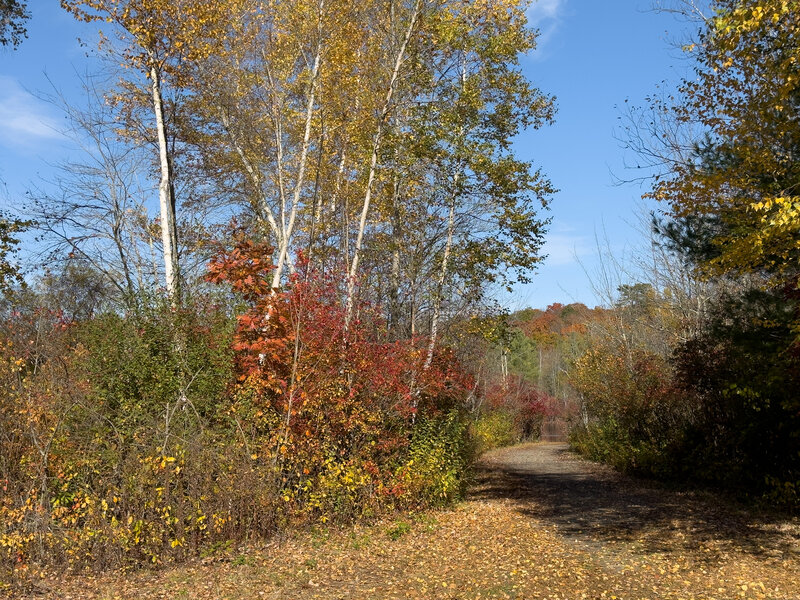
x: 437, y: 460
x: 141, y: 363
x: 494, y: 429
x: 607, y: 442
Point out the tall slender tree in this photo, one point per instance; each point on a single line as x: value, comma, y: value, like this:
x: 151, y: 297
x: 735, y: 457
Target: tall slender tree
x: 158, y: 40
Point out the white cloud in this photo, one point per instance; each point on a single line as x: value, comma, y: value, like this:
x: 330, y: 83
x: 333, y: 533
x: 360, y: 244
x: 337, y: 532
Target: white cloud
x: 546, y: 16
x: 24, y: 119
x: 544, y: 10
x: 564, y: 249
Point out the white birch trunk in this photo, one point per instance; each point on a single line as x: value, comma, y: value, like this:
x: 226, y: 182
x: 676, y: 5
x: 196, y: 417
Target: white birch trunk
x: 288, y: 227
x: 165, y: 195
x: 437, y: 299
x: 253, y: 173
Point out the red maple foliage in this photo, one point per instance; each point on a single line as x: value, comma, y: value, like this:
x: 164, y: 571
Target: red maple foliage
x: 313, y: 389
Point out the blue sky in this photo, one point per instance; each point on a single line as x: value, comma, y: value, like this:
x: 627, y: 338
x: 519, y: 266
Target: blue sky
x: 592, y: 56
x: 29, y: 127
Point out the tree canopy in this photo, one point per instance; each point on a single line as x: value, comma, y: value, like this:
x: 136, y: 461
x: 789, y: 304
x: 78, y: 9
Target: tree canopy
x: 743, y: 182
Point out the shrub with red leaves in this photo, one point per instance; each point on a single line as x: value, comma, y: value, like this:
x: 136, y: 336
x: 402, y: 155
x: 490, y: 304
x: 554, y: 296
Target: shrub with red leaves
x: 319, y: 398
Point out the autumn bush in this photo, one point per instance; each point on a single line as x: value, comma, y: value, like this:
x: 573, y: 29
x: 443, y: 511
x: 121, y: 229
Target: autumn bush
x: 493, y: 429
x: 111, y: 435
x: 636, y: 412
x: 144, y: 437
x: 437, y: 460
x: 720, y: 410
x: 354, y: 422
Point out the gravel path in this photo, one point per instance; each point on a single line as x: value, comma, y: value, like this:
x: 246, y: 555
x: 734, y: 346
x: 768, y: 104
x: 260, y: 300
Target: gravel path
x: 620, y: 519
x: 588, y: 501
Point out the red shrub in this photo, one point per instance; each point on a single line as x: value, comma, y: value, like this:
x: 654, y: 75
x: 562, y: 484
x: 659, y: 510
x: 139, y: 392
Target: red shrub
x: 313, y: 392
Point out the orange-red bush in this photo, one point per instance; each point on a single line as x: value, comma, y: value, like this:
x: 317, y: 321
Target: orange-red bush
x: 332, y: 406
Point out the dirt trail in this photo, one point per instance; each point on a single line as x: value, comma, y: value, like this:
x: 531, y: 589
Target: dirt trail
x: 539, y: 524
x: 594, y: 504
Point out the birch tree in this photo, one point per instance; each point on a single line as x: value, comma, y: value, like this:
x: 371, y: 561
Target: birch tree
x: 268, y: 116
x: 377, y: 138
x: 477, y: 206
x: 158, y: 39
x: 385, y: 111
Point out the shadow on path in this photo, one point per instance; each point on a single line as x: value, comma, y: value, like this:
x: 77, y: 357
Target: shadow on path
x: 593, y: 504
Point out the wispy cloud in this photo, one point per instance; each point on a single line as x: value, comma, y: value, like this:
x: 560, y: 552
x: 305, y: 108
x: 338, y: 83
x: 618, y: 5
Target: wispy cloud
x: 563, y: 248
x: 542, y: 10
x: 25, y: 120
x: 546, y: 16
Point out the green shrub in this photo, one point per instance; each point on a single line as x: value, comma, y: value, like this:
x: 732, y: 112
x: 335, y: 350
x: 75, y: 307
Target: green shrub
x: 398, y: 530
x: 605, y: 441
x: 494, y: 429
x: 438, y: 457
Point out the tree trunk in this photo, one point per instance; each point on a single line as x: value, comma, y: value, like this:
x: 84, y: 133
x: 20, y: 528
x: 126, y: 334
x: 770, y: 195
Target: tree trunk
x: 437, y: 299
x: 283, y: 253
x: 166, y: 196
x: 394, y: 289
